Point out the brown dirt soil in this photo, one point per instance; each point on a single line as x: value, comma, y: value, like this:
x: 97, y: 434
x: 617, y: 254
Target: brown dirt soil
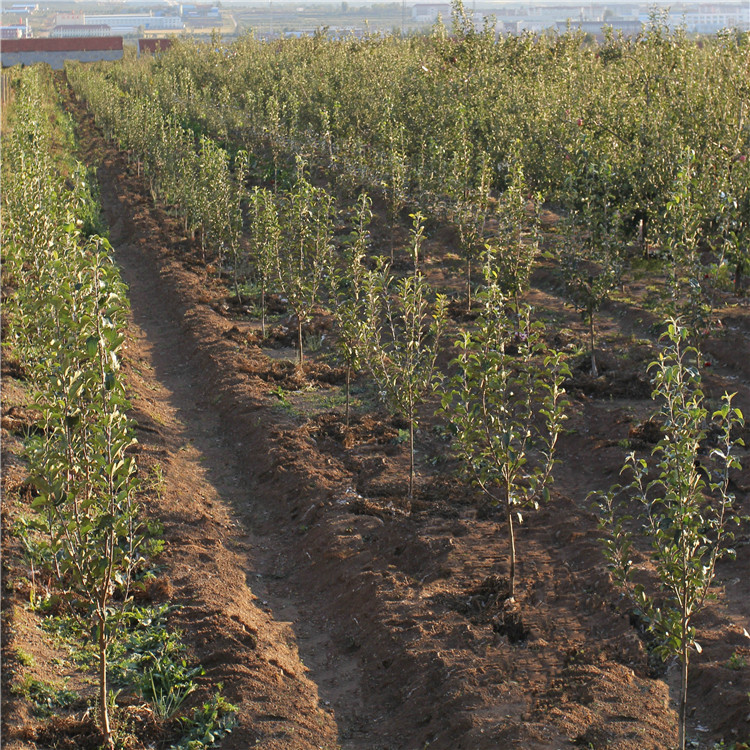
x: 338, y: 615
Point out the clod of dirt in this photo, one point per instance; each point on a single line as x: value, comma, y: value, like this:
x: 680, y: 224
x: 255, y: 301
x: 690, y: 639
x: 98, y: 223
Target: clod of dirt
x: 19, y: 420
x: 610, y: 384
x: 645, y: 434
x: 508, y: 622
x: 594, y: 737
x: 480, y: 602
x: 458, y: 311
x: 12, y: 368
x: 67, y: 733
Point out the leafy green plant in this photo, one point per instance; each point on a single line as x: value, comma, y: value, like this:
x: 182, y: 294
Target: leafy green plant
x: 208, y: 724
x: 590, y: 277
x: 736, y: 661
x: 24, y: 657
x: 150, y: 658
x: 45, y: 697
x: 349, y: 295
x: 684, y: 513
x: 265, y: 243
x: 506, y: 403
x: 304, y: 256
x: 512, y: 253
x: 404, y: 332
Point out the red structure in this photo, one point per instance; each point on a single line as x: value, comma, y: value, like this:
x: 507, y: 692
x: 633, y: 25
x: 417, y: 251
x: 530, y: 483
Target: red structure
x: 57, y: 51
x: 153, y: 46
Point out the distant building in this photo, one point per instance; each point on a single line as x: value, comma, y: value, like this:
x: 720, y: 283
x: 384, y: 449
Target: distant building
x: 708, y: 19
x: 189, y: 10
x: 16, y: 30
x: 596, y: 28
x: 22, y: 8
x: 66, y: 19
x: 153, y: 46
x: 56, y: 51
x: 428, y: 12
x: 69, y: 31
x: 128, y: 23
x: 11, y: 32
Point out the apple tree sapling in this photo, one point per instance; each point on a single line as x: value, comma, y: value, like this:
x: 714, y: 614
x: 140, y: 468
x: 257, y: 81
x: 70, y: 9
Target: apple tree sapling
x: 506, y: 402
x: 404, y: 330
x: 684, y: 512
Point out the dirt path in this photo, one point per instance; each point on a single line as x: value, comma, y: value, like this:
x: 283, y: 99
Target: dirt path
x: 216, y: 563
x: 333, y: 618
x: 232, y: 557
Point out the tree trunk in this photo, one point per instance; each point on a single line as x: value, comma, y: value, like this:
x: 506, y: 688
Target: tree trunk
x: 235, y: 276
x: 411, y: 457
x: 348, y: 381
x: 512, y: 544
x: 263, y: 311
x: 103, y: 707
x: 299, y: 340
x: 468, y: 284
x: 683, y: 685
x: 594, y: 370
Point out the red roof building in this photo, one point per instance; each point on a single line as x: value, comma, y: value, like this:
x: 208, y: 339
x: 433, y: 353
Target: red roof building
x: 56, y: 51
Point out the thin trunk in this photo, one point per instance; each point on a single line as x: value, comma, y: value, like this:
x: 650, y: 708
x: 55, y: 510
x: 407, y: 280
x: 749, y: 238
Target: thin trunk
x: 512, y: 540
x: 263, y: 311
x: 348, y: 381
x: 236, y: 279
x: 411, y: 458
x: 594, y: 370
x: 468, y: 284
x: 683, y: 683
x: 103, y: 707
x: 299, y: 340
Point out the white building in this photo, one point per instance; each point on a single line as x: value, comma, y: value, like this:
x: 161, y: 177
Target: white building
x: 75, y: 30
x: 128, y: 23
x: 708, y: 19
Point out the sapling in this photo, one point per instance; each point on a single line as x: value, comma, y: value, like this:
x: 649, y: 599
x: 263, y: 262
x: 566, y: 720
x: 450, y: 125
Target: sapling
x: 684, y: 512
x: 591, y: 270
x: 470, y: 217
x: 233, y: 199
x: 507, y: 404
x: 592, y: 252
x: 517, y: 245
x: 82, y: 467
x: 404, y: 331
x: 306, y: 249
x: 396, y: 187
x: 349, y: 294
x: 265, y: 242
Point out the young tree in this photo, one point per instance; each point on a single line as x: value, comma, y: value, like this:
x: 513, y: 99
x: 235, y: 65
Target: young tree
x: 469, y: 211
x: 81, y: 466
x: 507, y: 404
x: 592, y: 264
x: 397, y: 167
x: 349, y: 294
x: 404, y: 331
x: 680, y: 232
x: 684, y: 512
x: 305, y: 253
x: 265, y: 242
x: 514, y: 251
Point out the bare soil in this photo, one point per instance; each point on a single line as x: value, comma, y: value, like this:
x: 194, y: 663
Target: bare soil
x: 337, y: 614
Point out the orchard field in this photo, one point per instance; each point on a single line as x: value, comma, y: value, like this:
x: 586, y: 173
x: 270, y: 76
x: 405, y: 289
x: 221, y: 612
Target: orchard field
x: 379, y: 394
